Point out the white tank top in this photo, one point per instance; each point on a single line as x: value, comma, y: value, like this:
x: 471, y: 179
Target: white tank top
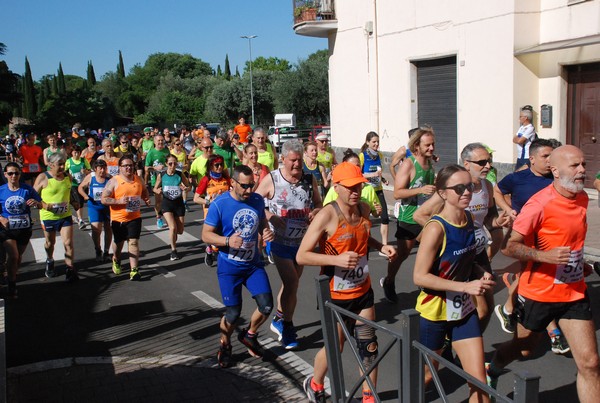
x: 479, y: 206
x: 292, y: 202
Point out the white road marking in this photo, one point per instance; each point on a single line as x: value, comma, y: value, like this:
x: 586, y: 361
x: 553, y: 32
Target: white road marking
x: 37, y: 244
x: 166, y: 273
x: 163, y: 235
x: 208, y: 300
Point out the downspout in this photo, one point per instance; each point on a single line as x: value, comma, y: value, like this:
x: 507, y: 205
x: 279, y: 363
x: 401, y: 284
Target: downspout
x: 375, y: 33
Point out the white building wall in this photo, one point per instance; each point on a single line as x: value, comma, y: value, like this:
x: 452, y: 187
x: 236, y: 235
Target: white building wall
x: 372, y: 78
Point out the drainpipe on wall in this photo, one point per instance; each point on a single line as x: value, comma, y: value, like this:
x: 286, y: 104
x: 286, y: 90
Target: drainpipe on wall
x: 375, y: 32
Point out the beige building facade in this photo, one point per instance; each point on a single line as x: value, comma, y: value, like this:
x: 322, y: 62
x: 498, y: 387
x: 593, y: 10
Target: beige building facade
x: 463, y: 66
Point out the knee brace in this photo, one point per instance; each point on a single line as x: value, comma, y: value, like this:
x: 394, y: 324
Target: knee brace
x: 366, y: 344
x: 232, y: 313
x: 264, y: 303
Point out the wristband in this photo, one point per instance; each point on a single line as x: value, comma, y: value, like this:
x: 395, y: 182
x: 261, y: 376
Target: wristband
x: 227, y: 241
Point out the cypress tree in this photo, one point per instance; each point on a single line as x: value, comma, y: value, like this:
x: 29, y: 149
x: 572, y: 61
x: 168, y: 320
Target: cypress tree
x: 46, y: 88
x: 62, y: 87
x: 91, y: 76
x: 227, y: 68
x: 29, y: 105
x: 121, y: 67
x: 237, y: 72
x: 54, y: 86
x: 219, y: 72
x: 41, y: 98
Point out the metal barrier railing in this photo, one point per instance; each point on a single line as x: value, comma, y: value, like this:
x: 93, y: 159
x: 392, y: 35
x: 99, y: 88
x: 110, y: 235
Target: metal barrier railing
x: 411, y: 358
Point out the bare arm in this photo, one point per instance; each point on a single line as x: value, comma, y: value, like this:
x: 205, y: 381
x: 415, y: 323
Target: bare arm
x: 597, y: 184
x: 516, y: 248
x: 396, y: 160
x: 402, y: 182
x: 519, y: 140
x: 211, y: 237
x: 499, y: 199
x: 85, y: 183
x: 432, y: 206
x: 158, y: 185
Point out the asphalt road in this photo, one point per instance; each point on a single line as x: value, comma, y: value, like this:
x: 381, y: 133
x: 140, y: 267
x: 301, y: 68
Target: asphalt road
x: 174, y: 310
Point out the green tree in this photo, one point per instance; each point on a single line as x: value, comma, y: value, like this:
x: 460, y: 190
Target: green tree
x: 219, y: 72
x: 2, y: 48
x: 10, y: 96
x: 227, y: 68
x: 121, y: 66
x: 270, y: 64
x: 29, y: 104
x: 62, y: 87
x: 54, y: 86
x: 91, y: 76
x: 237, y: 72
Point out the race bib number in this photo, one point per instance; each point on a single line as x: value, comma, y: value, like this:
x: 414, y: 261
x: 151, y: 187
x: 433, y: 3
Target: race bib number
x: 295, y: 229
x: 97, y: 193
x: 458, y: 305
x: 113, y: 170
x: 481, y: 239
x: 243, y: 254
x: 34, y: 167
x: 19, y: 222
x: 77, y: 176
x: 348, y: 279
x: 133, y: 204
x: 179, y: 166
x: 172, y: 192
x: 571, y: 272
x: 59, y: 208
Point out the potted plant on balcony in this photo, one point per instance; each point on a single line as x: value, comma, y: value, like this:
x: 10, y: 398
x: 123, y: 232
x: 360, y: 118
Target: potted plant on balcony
x: 305, y: 11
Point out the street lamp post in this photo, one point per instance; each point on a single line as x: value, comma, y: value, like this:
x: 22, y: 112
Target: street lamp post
x: 250, y: 37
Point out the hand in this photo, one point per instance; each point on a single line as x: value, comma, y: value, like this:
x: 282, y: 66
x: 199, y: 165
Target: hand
x: 558, y: 255
x: 312, y: 214
x: 268, y: 235
x: 504, y: 220
x: 378, y: 208
x: 277, y: 222
x: 478, y: 287
x: 147, y: 201
x: 31, y: 202
x: 347, y: 260
x: 4, y: 222
x: 236, y: 241
x: 427, y: 190
x: 390, y: 252
x: 156, y: 191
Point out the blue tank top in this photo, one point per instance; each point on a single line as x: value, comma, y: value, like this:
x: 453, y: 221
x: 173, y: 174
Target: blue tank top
x: 170, y: 185
x: 95, y: 191
x: 317, y: 174
x: 371, y: 165
x: 14, y: 205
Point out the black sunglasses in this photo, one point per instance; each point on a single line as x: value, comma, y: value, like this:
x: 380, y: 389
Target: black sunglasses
x: 208, y: 148
x: 12, y: 173
x: 482, y: 163
x: 246, y: 186
x: 461, y: 188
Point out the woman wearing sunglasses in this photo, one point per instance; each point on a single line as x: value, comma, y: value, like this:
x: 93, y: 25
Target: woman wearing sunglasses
x: 171, y: 184
x: 444, y: 267
x: 214, y: 183
x: 16, y: 199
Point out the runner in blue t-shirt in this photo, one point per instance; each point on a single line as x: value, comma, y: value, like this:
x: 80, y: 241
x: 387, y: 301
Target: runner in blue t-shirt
x: 15, y: 221
x: 232, y: 223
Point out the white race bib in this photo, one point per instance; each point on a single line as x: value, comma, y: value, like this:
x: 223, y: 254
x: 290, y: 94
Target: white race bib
x: 113, y: 170
x: 77, y: 176
x: 348, y: 279
x: 59, y: 208
x: 458, y: 305
x: 243, y: 254
x: 19, y: 221
x: 34, y: 167
x: 571, y: 272
x: 172, y: 192
x: 97, y: 193
x: 295, y: 229
x: 481, y: 239
x: 133, y: 204
x: 179, y: 166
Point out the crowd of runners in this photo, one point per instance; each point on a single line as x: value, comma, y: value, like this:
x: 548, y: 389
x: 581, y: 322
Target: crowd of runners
x: 301, y: 207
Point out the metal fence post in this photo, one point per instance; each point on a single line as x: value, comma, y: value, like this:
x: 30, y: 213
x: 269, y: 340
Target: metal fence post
x: 411, y: 390
x: 527, y: 387
x: 330, y: 338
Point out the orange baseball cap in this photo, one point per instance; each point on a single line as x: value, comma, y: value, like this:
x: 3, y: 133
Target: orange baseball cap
x: 348, y: 174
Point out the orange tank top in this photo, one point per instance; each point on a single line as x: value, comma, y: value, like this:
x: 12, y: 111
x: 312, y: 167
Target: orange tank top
x: 345, y: 283
x: 133, y: 192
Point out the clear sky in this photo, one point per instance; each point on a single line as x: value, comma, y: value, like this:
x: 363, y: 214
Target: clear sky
x: 75, y: 31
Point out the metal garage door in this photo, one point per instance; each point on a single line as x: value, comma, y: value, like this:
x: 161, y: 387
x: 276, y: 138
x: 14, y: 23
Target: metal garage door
x: 436, y: 105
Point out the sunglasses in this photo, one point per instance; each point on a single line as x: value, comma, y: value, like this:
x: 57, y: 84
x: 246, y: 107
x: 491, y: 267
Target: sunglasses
x: 123, y: 142
x: 218, y: 164
x: 127, y: 166
x: 461, y: 188
x: 245, y: 186
x: 482, y: 163
x: 177, y: 144
x: 322, y: 141
x: 208, y: 148
x: 12, y: 173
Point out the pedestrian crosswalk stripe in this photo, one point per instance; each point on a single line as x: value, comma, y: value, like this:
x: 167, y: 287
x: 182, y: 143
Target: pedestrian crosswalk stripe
x: 166, y: 273
x: 163, y: 235
x: 37, y: 244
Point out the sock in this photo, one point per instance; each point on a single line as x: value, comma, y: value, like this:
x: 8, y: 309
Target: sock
x: 554, y: 333
x: 505, y: 311
x: 250, y: 334
x: 368, y: 396
x: 315, y: 386
x: 278, y: 315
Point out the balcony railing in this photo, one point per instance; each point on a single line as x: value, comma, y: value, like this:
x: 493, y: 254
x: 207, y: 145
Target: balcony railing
x: 314, y: 17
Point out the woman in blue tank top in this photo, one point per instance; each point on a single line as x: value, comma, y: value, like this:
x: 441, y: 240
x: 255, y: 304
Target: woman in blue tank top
x: 313, y: 167
x: 443, y: 267
x: 91, y: 189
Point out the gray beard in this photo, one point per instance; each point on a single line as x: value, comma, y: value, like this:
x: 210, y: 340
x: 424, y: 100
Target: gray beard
x: 570, y: 185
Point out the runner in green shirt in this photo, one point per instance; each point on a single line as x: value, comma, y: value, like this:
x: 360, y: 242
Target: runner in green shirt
x: 156, y: 162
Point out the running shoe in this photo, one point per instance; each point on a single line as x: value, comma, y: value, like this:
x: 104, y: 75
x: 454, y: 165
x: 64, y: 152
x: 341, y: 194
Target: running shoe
x: 134, y: 275
x: 289, y: 337
x: 82, y: 224
x: 492, y: 381
x: 507, y: 322
x: 368, y: 396
x: 50, y: 268
x: 224, y: 356
x: 270, y: 257
x: 254, y: 347
x: 559, y: 344
x: 389, y: 290
x: 314, y: 396
x: 277, y: 327
x: 99, y: 257
x: 187, y: 208
x: 209, y: 258
x: 174, y: 255
x: 116, y: 267
x: 71, y: 275
x: 160, y: 223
